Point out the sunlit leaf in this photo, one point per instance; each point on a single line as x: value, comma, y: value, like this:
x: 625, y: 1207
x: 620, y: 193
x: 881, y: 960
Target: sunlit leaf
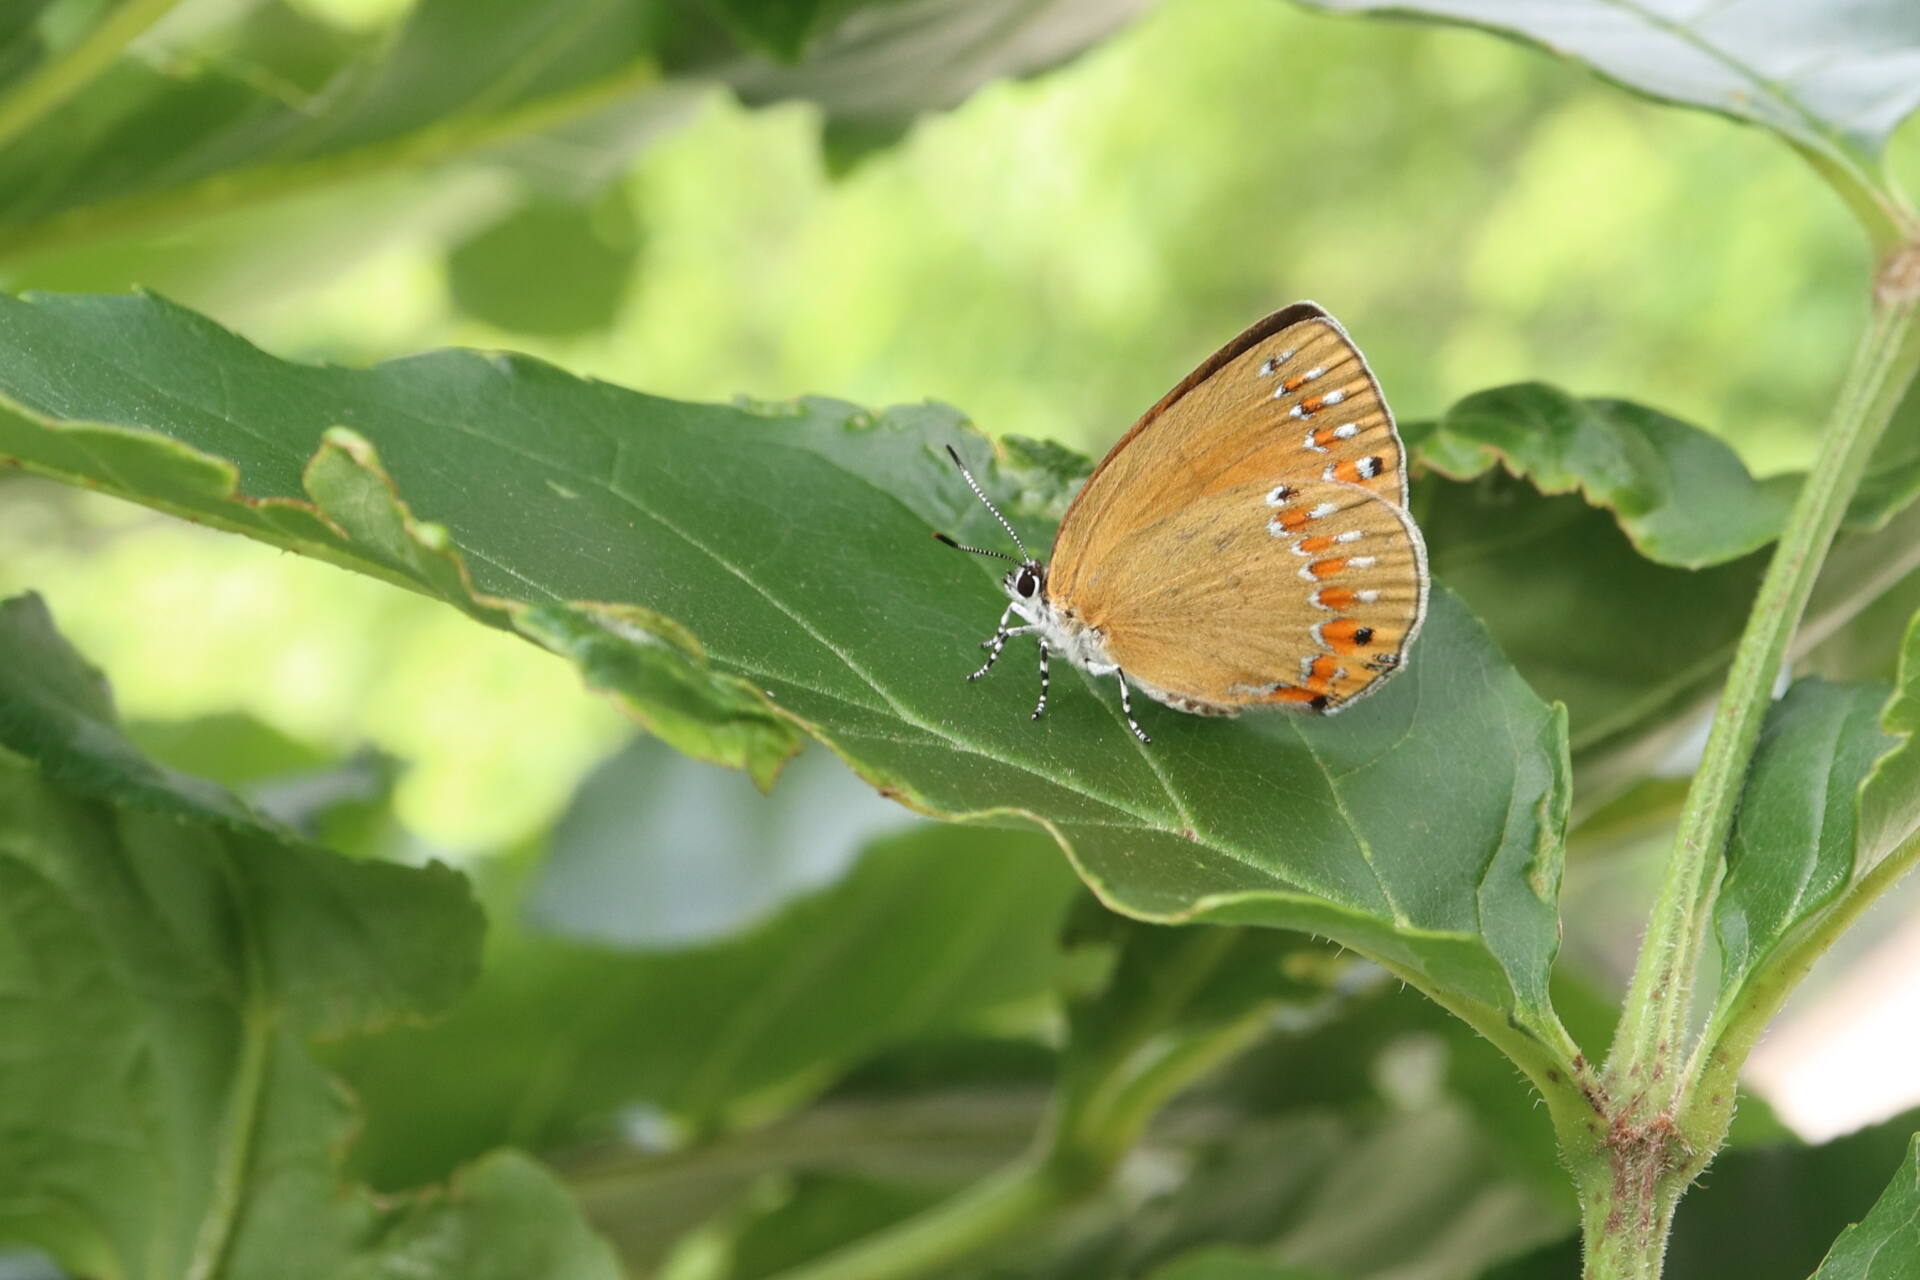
x: 1836, y: 80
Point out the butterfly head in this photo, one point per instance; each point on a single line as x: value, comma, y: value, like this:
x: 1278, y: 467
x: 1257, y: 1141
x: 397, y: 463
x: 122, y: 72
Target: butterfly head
x: 1025, y: 584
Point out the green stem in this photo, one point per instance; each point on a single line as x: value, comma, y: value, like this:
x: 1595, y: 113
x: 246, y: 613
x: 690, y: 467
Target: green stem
x: 1102, y: 1112
x: 1643, y: 1069
x: 989, y: 1210
x: 1649, y: 1073
x: 61, y: 77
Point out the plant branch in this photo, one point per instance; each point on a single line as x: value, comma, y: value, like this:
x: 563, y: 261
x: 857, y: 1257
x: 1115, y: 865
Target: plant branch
x: 1100, y: 1114
x: 1643, y: 1070
x: 59, y: 78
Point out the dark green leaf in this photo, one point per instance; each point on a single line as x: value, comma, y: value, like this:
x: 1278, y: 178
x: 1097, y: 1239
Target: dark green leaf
x: 737, y: 578
x: 1624, y: 598
x: 1770, y: 1213
x: 167, y: 954
x: 1885, y: 1245
x: 1681, y: 496
x: 193, y: 132
x: 1833, y: 794
x: 1834, y: 80
x: 560, y: 1042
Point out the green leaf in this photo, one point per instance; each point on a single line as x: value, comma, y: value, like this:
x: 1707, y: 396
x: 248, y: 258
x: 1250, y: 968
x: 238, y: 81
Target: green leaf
x: 245, y: 114
x: 560, y: 1042
x: 549, y: 266
x: 1591, y: 535
x: 1885, y: 1245
x: 736, y: 579
x: 166, y: 955
x: 1682, y: 497
x: 658, y: 852
x: 1235, y: 1264
x: 1829, y: 814
x: 1834, y: 80
x: 343, y: 804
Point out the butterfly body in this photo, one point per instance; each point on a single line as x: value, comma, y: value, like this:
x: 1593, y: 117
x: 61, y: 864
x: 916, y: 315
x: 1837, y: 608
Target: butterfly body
x: 1246, y: 544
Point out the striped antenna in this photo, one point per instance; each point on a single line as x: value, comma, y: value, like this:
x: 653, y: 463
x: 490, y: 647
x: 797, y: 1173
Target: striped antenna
x: 978, y: 551
x: 988, y: 502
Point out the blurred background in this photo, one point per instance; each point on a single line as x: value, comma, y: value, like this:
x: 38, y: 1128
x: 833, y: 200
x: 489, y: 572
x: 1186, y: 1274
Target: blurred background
x: 1049, y: 256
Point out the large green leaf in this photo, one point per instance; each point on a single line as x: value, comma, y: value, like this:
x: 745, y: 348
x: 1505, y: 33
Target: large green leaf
x: 271, y: 102
x: 1885, y: 1245
x: 165, y: 955
x: 1834, y: 79
x: 737, y: 579
x: 1830, y: 812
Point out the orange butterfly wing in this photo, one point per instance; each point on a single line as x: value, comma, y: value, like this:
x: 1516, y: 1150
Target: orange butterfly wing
x: 1247, y: 543
x: 1254, y: 596
x: 1292, y: 397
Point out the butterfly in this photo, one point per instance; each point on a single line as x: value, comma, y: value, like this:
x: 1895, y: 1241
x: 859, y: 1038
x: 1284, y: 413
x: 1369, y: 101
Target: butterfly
x: 1246, y: 544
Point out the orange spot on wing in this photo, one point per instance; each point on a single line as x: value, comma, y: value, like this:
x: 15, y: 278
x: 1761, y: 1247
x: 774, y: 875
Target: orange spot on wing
x: 1327, y: 568
x: 1345, y: 636
x: 1292, y: 520
x: 1312, y: 404
x: 1312, y: 545
x: 1349, y: 469
x: 1292, y: 693
x: 1324, y: 668
x: 1333, y: 597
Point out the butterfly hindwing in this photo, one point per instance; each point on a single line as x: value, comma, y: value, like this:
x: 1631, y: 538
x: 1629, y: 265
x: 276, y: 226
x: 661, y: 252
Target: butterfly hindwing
x: 1299, y: 593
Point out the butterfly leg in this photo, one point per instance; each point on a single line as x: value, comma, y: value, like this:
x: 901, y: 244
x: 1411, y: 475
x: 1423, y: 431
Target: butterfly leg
x: 1001, y: 634
x: 1126, y: 706
x: 1041, y: 709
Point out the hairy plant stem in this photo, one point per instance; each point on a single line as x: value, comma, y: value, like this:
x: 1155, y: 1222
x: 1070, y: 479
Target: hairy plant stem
x: 1654, y: 1144
x: 1099, y: 1115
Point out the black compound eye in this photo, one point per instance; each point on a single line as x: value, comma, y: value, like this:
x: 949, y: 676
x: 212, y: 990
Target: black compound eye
x: 1027, y: 583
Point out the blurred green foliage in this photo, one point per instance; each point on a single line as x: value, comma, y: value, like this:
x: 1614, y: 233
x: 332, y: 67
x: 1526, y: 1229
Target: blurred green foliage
x: 1049, y: 255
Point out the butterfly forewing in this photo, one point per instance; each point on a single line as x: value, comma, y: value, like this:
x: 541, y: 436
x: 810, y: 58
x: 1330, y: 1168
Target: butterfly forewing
x: 1292, y: 397
x: 1301, y: 593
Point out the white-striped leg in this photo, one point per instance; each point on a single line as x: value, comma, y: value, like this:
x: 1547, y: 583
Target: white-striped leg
x: 1041, y: 709
x: 1126, y: 706
x: 1001, y: 635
